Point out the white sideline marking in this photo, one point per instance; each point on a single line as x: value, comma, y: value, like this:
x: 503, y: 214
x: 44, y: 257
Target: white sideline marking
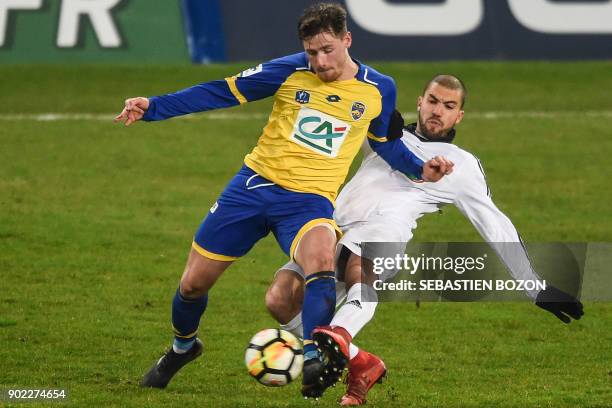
x: 108, y: 117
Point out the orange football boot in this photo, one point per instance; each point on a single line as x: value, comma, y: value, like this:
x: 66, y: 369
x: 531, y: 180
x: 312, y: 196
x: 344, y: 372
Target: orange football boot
x: 365, y: 370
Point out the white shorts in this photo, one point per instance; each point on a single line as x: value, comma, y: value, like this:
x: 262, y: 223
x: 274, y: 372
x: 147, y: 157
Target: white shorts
x: 382, y: 227
x: 352, y: 241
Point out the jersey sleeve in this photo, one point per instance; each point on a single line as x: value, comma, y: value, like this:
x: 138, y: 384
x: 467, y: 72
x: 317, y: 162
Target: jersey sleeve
x: 394, y: 152
x: 473, y: 199
x: 198, y: 98
x: 252, y: 84
x: 264, y: 80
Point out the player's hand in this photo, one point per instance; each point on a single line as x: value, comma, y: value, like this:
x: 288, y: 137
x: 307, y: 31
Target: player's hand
x: 396, y: 126
x: 560, y: 304
x: 134, y: 110
x: 436, y: 168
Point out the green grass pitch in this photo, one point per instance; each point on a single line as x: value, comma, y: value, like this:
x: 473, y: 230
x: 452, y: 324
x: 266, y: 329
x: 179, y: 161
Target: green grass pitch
x: 96, y: 221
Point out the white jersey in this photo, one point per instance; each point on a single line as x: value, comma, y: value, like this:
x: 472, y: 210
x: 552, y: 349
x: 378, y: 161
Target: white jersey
x: 383, y: 205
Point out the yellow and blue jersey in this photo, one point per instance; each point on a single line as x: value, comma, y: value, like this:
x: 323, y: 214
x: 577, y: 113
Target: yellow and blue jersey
x: 315, y: 128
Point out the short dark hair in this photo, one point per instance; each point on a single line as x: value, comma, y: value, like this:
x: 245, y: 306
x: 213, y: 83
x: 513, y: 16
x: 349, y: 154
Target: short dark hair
x: 449, y: 82
x: 320, y: 18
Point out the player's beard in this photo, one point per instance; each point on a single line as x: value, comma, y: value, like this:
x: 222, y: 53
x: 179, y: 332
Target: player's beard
x: 331, y: 73
x: 442, y: 133
x: 328, y: 76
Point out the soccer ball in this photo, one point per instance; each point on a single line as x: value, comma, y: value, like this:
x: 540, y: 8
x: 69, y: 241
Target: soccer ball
x: 274, y: 357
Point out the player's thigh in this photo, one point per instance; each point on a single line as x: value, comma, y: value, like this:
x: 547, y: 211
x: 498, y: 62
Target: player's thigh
x: 304, y: 227
x: 315, y: 250
x: 235, y: 223
x: 200, y: 274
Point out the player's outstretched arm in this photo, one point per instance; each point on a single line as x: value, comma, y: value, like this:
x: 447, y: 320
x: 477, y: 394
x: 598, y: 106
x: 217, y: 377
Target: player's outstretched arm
x: 564, y: 306
x: 473, y: 199
x: 133, y: 111
x: 385, y: 132
x: 250, y: 85
x: 397, y: 154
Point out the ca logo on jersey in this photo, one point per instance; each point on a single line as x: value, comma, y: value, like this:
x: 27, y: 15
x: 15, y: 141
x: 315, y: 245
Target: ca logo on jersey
x: 319, y: 132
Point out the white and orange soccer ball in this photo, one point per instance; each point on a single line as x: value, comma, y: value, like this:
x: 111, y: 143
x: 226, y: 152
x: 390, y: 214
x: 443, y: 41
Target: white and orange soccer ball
x: 274, y: 357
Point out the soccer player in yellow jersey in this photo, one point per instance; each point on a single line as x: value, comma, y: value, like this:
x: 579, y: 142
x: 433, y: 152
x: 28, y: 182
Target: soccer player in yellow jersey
x: 325, y: 104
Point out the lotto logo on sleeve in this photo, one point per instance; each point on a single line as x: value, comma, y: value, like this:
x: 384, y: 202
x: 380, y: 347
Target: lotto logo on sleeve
x: 319, y: 132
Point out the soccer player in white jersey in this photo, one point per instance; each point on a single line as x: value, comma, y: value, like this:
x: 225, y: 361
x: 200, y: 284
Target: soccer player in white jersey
x: 382, y: 205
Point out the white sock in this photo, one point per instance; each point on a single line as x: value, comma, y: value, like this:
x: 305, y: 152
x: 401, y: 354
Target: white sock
x: 295, y: 326
x: 355, y: 313
x: 353, y: 350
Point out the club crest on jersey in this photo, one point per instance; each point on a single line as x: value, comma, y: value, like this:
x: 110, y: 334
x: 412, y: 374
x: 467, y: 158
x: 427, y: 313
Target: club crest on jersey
x: 357, y: 110
x: 319, y: 132
x: 302, y: 97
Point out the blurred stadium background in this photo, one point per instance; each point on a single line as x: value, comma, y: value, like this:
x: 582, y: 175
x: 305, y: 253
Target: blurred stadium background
x: 96, y: 219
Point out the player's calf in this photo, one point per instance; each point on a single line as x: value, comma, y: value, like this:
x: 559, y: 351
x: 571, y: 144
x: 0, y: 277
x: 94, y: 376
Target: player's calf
x: 315, y: 254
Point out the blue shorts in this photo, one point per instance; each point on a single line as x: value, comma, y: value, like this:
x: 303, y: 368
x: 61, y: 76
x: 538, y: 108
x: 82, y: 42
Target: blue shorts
x: 252, y: 206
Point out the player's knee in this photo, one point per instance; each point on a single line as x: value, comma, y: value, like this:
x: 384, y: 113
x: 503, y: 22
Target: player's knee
x: 275, y: 301
x: 321, y: 261
x: 280, y: 304
x: 191, y: 288
x: 316, y: 251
